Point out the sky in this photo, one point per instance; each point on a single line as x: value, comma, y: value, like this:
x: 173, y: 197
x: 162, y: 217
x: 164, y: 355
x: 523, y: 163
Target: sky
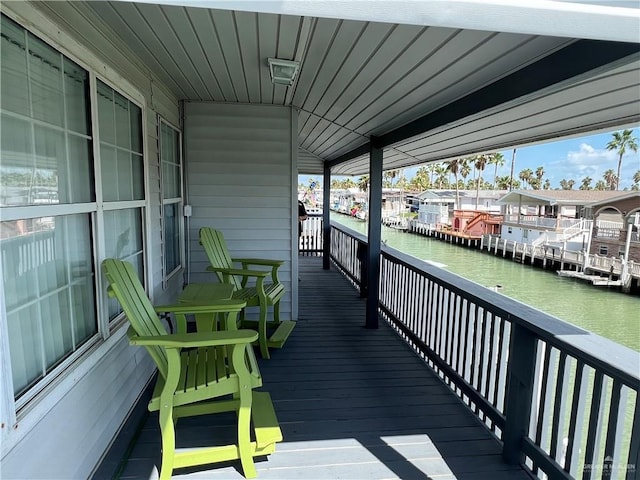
x: 569, y: 159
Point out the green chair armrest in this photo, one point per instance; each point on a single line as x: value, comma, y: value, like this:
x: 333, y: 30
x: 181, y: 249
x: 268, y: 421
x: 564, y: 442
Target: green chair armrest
x: 200, y: 339
x: 238, y: 271
x: 259, y: 261
x: 216, y: 306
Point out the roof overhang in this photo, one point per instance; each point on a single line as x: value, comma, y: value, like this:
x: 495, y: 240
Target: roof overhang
x: 426, y: 81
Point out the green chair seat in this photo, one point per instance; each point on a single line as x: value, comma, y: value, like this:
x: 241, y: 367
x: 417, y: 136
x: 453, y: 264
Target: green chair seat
x: 267, y: 291
x: 199, y: 373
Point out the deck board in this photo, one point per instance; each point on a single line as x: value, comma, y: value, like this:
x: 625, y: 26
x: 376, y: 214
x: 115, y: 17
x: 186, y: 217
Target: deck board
x: 353, y: 403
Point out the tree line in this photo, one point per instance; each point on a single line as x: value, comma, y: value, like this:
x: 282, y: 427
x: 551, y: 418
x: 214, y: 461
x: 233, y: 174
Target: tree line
x: 469, y: 174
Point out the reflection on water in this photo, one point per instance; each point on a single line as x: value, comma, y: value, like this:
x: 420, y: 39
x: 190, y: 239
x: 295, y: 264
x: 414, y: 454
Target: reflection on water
x: 606, y: 312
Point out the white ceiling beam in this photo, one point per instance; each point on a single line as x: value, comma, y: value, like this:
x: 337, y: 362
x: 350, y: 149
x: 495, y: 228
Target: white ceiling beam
x: 606, y: 20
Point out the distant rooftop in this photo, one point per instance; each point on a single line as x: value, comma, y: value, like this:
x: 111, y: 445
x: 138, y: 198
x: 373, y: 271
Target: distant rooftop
x: 451, y: 194
x: 558, y: 197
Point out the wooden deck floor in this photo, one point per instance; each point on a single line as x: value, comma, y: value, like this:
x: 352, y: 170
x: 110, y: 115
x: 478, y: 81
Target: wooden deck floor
x: 352, y: 403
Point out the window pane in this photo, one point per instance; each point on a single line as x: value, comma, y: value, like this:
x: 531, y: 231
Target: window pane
x: 48, y: 278
x: 50, y: 165
x: 42, y: 164
x: 17, y: 162
x: 45, y: 75
x: 109, y: 173
x: 125, y: 175
x: 25, y: 349
x: 123, y: 239
x: 76, y: 85
x: 122, y: 169
x: 123, y: 122
x: 137, y: 170
x: 172, y: 236
x: 14, y: 93
x: 106, y: 114
x: 80, y: 186
x: 136, y: 127
x: 170, y: 156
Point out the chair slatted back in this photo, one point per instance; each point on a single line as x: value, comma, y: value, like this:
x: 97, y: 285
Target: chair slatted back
x: 125, y: 285
x: 216, y: 248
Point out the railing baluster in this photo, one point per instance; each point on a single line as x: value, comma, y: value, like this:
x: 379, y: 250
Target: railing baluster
x: 594, y: 414
x: 633, y: 459
x: 573, y: 420
x: 557, y: 406
x: 612, y: 427
x: 519, y: 393
x: 499, y: 368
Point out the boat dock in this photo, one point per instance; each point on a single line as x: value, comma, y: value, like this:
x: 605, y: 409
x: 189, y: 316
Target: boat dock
x: 598, y: 270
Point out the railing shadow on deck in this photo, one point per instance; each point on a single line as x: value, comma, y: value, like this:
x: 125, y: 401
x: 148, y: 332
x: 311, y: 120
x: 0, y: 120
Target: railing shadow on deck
x: 563, y: 400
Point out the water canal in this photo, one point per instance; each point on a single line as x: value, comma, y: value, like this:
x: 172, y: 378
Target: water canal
x: 606, y: 312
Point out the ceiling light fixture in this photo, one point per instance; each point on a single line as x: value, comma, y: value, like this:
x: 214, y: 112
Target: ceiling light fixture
x: 283, y: 72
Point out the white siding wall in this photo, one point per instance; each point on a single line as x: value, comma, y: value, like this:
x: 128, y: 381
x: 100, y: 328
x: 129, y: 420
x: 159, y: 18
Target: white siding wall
x: 66, y: 433
x: 309, y: 164
x: 242, y: 177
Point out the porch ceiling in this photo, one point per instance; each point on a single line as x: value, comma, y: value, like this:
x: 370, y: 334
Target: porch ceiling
x: 440, y: 88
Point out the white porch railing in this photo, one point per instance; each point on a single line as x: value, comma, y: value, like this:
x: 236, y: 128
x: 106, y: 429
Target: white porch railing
x: 539, y: 222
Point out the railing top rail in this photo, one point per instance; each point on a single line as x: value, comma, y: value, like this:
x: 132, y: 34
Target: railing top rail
x: 357, y: 235
x: 612, y: 358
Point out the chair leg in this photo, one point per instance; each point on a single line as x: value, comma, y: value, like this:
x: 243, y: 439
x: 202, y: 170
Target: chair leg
x: 168, y: 432
x: 244, y: 437
x: 276, y: 312
x: 262, y: 330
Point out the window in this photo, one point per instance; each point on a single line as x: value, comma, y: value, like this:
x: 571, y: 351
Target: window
x: 56, y: 223
x: 603, y: 250
x: 120, y: 133
x: 170, y: 148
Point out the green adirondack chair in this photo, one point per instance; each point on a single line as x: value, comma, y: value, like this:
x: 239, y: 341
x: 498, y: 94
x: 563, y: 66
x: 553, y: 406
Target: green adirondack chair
x: 199, y: 373
x: 271, y: 333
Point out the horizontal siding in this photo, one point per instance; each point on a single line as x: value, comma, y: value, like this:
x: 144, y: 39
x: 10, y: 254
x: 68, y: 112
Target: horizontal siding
x: 309, y: 164
x: 240, y: 167
x: 90, y: 414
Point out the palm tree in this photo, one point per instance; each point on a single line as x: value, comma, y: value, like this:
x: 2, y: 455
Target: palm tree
x: 454, y: 166
x: 348, y: 183
x: 363, y: 183
x: 496, y: 159
x: 540, y: 173
x: 610, y: 179
x: 503, y: 183
x: 547, y: 184
x: 600, y: 185
x: 636, y: 177
x: 441, y: 174
x: 567, y: 184
x: 465, y: 169
x: 513, y: 164
x: 621, y: 142
x: 388, y: 177
x: 526, y: 175
x: 586, y: 183
x: 421, y: 181
x: 480, y: 163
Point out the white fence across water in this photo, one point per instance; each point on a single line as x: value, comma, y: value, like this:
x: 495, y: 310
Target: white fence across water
x: 563, y: 401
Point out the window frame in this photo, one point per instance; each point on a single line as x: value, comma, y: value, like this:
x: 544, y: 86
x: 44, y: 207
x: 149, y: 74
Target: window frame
x: 35, y: 402
x: 179, y: 201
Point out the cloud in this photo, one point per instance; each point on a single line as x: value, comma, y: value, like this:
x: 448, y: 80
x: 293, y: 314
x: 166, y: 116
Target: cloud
x: 592, y: 162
